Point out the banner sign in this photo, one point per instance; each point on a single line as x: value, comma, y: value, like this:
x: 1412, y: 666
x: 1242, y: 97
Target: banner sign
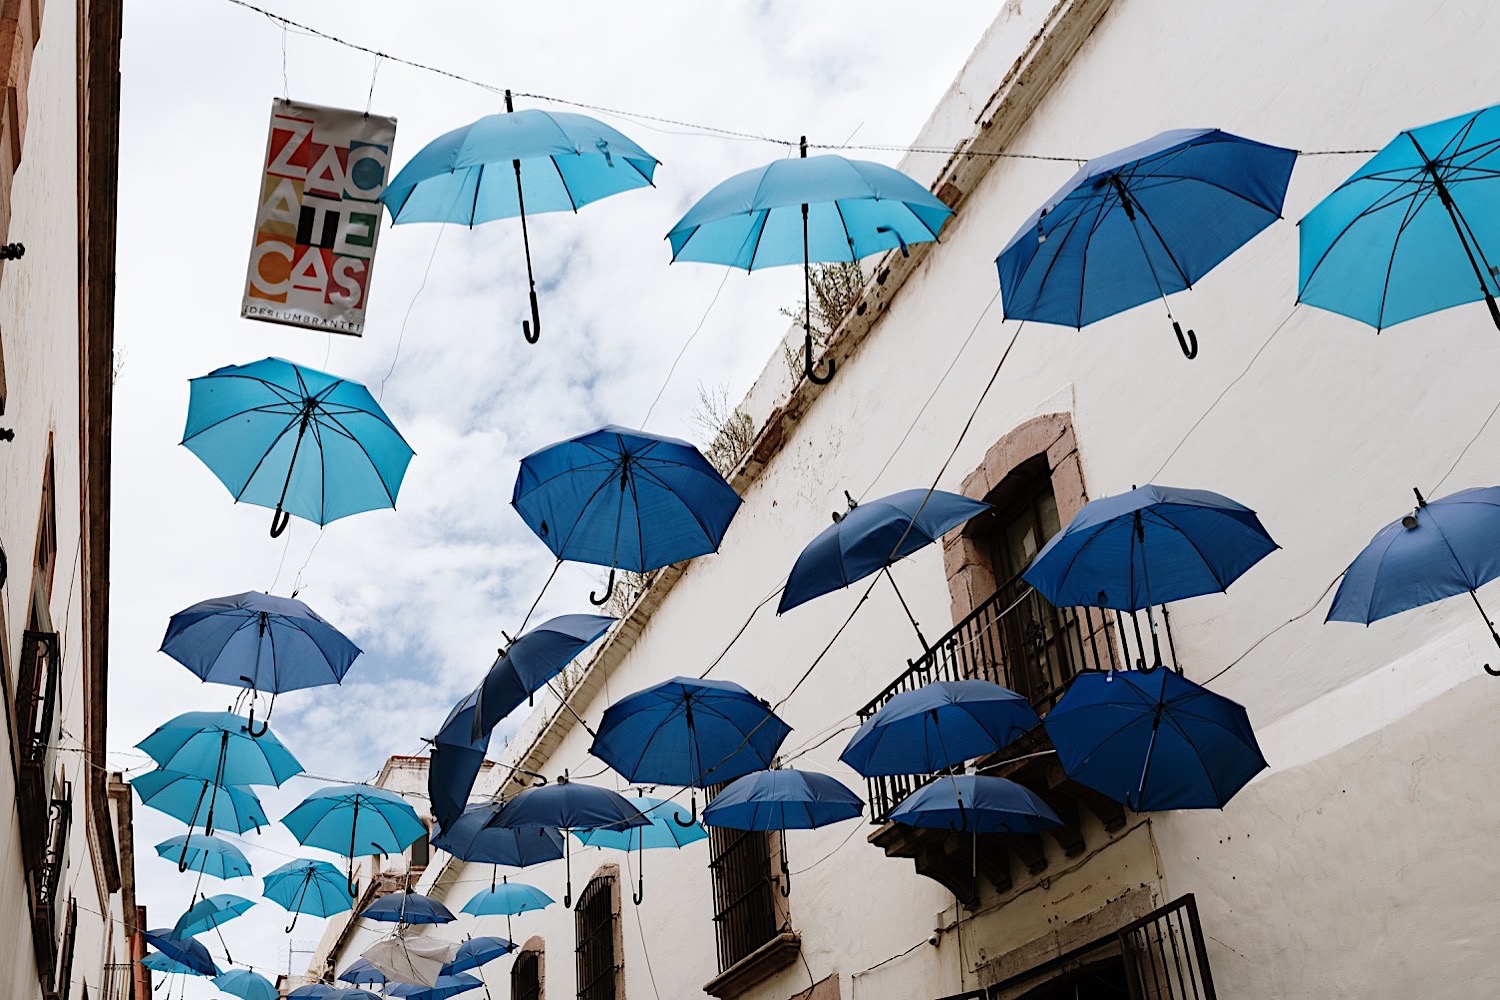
x: 319, y: 219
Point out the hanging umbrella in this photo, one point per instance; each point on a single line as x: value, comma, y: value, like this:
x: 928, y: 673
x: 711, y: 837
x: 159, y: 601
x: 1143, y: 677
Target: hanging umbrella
x: 1441, y: 549
x: 567, y: 805
x: 937, y: 726
x: 782, y: 799
x: 158, y: 962
x: 211, y: 913
x: 302, y: 441
x: 446, y: 986
x: 355, y: 820
x: 1140, y: 223
x: 1412, y: 231
x: 472, y: 839
x: 973, y: 803
x: 530, y: 662
x: 246, y: 985
x: 1153, y: 740
x: 411, y: 959
x: 687, y: 731
x: 821, y: 208
x: 323, y: 991
x: 560, y: 162
x: 624, y: 499
x: 871, y: 536
x: 670, y: 825
x: 185, y: 797
x: 211, y: 856
x: 1150, y: 546
x: 477, y: 951
x: 362, y: 973
x: 407, y: 908
x: 184, y: 951
x: 312, y: 887
x: 455, y: 760
x: 507, y: 899
x: 258, y: 641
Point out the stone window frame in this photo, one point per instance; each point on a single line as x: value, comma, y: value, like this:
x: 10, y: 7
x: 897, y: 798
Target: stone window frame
x: 536, y: 949
x: 609, y: 873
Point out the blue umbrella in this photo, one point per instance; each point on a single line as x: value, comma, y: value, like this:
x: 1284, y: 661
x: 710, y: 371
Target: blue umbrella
x: 246, y: 985
x: 455, y: 760
x: 624, y: 499
x: 1153, y: 740
x: 323, y: 991
x: 1153, y: 545
x: 260, y: 642
x: 670, y: 826
x: 937, y: 726
x: 531, y: 661
x: 159, y: 962
x: 820, y: 208
x: 972, y: 803
x: 1441, y: 549
x: 561, y: 161
x: 209, y: 914
x: 1140, y: 223
x: 687, y: 731
x: 407, y: 908
x: 305, y: 886
x: 477, y: 951
x: 782, y: 799
x: 302, y: 441
x: 507, y: 899
x: 568, y: 805
x: 352, y: 819
x: 472, y: 838
x: 870, y: 537
x: 185, y: 796
x: 184, y: 951
x: 1406, y: 234
x: 447, y: 986
x: 362, y: 973
x: 220, y: 747
x: 209, y: 855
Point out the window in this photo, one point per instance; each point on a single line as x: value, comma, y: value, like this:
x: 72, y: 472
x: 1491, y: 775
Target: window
x: 596, y: 920
x: 746, y: 911
x: 526, y: 974
x: 62, y: 983
x: 420, y: 852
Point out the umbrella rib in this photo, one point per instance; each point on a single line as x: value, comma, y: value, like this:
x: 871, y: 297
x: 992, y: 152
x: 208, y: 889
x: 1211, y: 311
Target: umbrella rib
x: 564, y: 181
x: 1221, y: 187
x: 1157, y: 518
x: 1413, y: 205
x: 707, y: 534
x: 1378, y: 205
x: 338, y: 424
x: 603, y: 482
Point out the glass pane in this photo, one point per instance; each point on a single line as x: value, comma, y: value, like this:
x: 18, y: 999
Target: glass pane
x: 1046, y: 514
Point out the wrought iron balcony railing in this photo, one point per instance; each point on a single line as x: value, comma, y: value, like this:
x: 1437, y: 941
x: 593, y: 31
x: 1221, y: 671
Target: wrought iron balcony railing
x: 36, y: 723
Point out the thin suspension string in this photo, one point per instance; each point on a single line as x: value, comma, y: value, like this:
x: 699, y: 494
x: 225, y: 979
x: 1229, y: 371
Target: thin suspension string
x: 685, y: 345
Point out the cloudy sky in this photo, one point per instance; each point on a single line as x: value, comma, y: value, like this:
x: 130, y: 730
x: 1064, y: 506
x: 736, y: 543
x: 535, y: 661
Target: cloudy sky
x: 426, y: 590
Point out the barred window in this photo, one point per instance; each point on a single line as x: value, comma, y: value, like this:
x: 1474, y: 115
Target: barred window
x: 596, y: 920
x: 526, y: 975
x: 747, y: 914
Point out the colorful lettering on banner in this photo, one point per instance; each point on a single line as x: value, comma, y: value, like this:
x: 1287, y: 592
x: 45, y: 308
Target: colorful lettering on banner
x: 319, y: 217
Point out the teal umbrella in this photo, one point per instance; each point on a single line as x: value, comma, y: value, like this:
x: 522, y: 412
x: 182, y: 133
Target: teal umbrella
x: 355, y: 820
x: 188, y: 797
x: 207, y: 855
x: 246, y: 985
x: 312, y: 887
x: 671, y: 826
x: 211, y: 913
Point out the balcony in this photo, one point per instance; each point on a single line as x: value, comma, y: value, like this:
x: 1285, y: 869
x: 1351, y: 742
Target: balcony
x: 1018, y: 640
x: 36, y: 725
x: 44, y: 881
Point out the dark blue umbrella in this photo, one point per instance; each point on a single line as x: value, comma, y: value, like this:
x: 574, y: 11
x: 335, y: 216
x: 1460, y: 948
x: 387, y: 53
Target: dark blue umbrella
x: 182, y: 950
x: 186, y: 796
x: 624, y: 499
x: 687, y: 731
x: 1153, y: 545
x: 323, y: 991
x: 870, y: 537
x: 455, y: 760
x: 477, y: 951
x: 305, y: 886
x: 1140, y: 223
x: 973, y: 803
x: 472, y: 838
x: 1441, y: 549
x: 782, y: 799
x: 407, y: 908
x: 302, y: 441
x: 530, y: 662
x: 362, y: 973
x: 937, y: 726
x: 1153, y: 740
x: 447, y: 986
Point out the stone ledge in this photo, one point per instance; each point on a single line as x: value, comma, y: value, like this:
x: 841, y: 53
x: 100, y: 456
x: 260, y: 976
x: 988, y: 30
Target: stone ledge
x: 756, y: 967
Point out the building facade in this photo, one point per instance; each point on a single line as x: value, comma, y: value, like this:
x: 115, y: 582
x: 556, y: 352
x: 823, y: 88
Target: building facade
x: 68, y: 920
x: 1355, y: 865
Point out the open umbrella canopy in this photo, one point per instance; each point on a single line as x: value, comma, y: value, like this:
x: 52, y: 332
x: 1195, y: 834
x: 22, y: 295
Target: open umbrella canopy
x: 507, y: 899
x: 258, y: 641
x: 206, y: 914
x: 455, y: 760
x: 355, y: 820
x: 872, y: 536
x: 624, y: 499
x: 670, y: 825
x: 472, y: 838
x: 323, y: 991
x: 411, y: 959
x: 305, y: 886
x: 1153, y: 740
x: 159, y: 962
x: 191, y: 798
x: 687, y: 731
x: 218, y: 746
x: 304, y: 442
x: 477, y: 951
x: 971, y: 803
x: 407, y: 908
x: 444, y: 987
x: 530, y: 662
x: 184, y: 951
x: 568, y: 805
x: 782, y: 799
x: 212, y: 856
x: 246, y: 985
x: 362, y: 973
x: 1140, y: 223
x: 1412, y: 230
x: 937, y: 726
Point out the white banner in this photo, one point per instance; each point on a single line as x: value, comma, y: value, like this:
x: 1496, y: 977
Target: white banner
x: 318, y: 222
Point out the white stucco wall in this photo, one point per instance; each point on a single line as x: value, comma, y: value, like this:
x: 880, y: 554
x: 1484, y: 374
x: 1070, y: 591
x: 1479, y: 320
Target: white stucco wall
x: 1357, y: 865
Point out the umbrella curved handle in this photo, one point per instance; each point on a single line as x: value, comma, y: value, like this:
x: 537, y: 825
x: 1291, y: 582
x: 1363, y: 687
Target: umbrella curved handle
x: 786, y: 872
x: 1187, y: 340
x: 692, y: 819
x: 182, y: 864
x: 295, y: 915
x: 609, y: 591
x: 532, y: 330
x: 810, y: 368
x: 640, y: 888
x: 250, y: 727
x: 279, y: 521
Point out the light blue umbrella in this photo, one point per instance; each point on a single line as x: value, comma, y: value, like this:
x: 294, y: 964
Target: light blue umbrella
x: 186, y: 797
x: 304, y: 886
x: 820, y: 208
x: 501, y: 166
x: 211, y: 913
x: 290, y: 437
x: 671, y: 826
x: 159, y: 962
x: 507, y: 899
x: 355, y: 820
x: 246, y: 985
x: 210, y: 855
x: 1414, y: 230
x: 220, y: 747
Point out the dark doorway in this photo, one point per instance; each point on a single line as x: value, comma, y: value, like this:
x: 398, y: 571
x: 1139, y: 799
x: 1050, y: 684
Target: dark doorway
x: 1100, y: 981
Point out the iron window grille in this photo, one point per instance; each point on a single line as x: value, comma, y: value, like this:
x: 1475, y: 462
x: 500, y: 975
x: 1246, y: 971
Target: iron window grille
x: 746, y: 912
x: 1165, y: 955
x: 595, y: 917
x: 526, y: 976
